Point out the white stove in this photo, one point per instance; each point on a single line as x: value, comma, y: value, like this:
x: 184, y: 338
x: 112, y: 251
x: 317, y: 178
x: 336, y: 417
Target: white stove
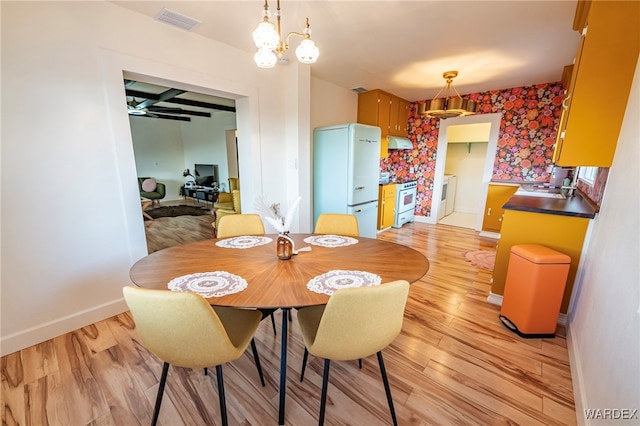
x: 405, y: 203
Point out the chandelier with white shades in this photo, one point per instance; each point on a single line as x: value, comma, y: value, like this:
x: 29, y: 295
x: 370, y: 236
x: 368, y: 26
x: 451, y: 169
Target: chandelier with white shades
x: 271, y: 47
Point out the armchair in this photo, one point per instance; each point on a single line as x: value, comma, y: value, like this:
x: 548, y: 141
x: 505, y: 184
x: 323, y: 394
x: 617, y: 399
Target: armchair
x: 150, y: 191
x: 225, y: 199
x: 221, y: 209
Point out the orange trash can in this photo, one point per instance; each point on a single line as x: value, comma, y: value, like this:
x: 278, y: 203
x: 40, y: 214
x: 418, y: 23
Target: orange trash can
x: 536, y: 279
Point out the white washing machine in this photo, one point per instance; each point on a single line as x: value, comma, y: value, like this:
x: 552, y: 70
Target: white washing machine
x: 451, y: 194
x: 443, y: 199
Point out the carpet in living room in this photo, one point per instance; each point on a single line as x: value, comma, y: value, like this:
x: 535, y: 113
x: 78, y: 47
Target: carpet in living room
x: 178, y: 210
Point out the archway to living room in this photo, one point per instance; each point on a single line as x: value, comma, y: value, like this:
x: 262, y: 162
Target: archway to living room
x: 180, y: 143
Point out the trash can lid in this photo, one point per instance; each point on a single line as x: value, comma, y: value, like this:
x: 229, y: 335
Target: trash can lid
x: 539, y: 254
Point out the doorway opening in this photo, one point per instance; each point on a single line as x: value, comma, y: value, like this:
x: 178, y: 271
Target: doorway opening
x: 179, y: 140
x: 466, y: 150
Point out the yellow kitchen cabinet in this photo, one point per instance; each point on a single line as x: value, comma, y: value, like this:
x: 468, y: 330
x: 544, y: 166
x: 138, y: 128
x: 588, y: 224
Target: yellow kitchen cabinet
x: 497, y: 196
x: 398, y: 117
x: 386, y: 206
x: 562, y: 233
x: 600, y: 84
x: 387, y: 111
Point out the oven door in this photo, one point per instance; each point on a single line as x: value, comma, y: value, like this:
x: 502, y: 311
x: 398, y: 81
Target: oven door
x: 406, y: 199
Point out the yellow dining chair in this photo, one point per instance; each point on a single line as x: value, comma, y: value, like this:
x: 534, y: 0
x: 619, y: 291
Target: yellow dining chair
x: 355, y: 323
x: 238, y: 225
x: 337, y: 224
x: 182, y: 329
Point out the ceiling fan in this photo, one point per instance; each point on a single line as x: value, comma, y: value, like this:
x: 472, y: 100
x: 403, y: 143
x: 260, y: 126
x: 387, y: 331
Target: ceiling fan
x: 136, y: 107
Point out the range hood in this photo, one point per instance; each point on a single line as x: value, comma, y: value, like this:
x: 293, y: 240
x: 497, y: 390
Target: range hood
x: 396, y: 142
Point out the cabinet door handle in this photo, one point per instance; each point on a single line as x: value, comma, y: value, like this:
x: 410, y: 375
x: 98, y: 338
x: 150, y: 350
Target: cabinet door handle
x: 359, y: 187
x: 358, y: 211
x: 489, y: 212
x: 564, y: 102
x: 500, y: 220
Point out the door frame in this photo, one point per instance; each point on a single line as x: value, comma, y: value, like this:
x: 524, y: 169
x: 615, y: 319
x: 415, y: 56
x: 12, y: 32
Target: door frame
x: 494, y: 119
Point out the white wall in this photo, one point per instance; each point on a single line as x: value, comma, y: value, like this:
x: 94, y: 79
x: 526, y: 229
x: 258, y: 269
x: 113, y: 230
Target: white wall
x: 164, y: 148
x: 332, y: 104
x: 205, y: 142
x: 604, y: 322
x: 159, y: 152
x: 67, y: 247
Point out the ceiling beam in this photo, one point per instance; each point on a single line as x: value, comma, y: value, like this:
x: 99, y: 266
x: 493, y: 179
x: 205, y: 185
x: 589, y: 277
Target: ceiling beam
x: 181, y: 101
x: 200, y: 104
x: 162, y: 97
x: 164, y: 110
x: 164, y: 116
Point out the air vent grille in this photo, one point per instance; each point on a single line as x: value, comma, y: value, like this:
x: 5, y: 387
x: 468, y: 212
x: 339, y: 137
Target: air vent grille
x: 360, y: 89
x: 177, y: 19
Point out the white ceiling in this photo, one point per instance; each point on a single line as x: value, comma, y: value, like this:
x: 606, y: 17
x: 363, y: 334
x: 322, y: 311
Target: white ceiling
x: 403, y: 47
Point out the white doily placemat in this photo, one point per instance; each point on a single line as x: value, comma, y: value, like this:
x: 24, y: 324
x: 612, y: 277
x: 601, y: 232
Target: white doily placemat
x: 330, y: 240
x: 244, y: 242
x: 209, y: 284
x: 334, y: 280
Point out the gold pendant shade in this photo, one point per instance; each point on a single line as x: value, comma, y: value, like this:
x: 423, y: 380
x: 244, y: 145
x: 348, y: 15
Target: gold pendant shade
x: 449, y: 106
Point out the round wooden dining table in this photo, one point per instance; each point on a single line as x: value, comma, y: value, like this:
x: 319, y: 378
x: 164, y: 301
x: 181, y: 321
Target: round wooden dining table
x: 273, y: 283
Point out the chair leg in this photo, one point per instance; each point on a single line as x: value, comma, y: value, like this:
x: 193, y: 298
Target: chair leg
x: 223, y: 404
x: 206, y: 371
x: 325, y: 385
x: 304, y: 363
x: 163, y: 381
x: 387, y: 389
x: 256, y: 357
x: 360, y: 363
x: 273, y: 323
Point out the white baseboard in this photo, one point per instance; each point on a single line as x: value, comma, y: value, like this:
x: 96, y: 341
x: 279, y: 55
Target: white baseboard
x: 579, y: 393
x: 488, y: 234
x: 496, y: 299
x: 29, y: 337
x: 424, y: 219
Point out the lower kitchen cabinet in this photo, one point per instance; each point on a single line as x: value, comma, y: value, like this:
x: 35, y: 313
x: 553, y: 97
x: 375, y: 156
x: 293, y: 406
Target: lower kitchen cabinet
x: 386, y: 206
x: 497, y: 196
x: 562, y: 233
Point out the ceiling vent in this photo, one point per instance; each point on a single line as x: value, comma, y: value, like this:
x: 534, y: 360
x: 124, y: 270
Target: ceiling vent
x: 359, y: 89
x: 177, y: 19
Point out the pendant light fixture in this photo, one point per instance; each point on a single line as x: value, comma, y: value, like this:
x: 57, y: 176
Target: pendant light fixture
x: 271, y: 47
x: 449, y: 106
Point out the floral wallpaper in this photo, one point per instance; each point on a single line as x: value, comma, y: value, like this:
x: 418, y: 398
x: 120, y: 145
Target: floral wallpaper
x: 525, y: 142
x: 596, y: 191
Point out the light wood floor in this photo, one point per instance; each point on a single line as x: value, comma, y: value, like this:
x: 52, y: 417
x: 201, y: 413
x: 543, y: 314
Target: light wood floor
x: 454, y: 363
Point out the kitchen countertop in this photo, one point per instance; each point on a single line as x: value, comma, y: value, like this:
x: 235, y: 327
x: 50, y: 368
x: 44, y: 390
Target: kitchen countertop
x: 509, y: 182
x: 576, y: 206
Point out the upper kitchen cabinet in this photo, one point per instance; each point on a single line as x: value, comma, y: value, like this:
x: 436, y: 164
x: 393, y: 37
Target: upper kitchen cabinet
x: 399, y: 117
x: 600, y: 83
x: 387, y: 111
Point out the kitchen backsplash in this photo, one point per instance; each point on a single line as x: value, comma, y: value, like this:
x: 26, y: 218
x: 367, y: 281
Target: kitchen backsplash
x: 525, y: 145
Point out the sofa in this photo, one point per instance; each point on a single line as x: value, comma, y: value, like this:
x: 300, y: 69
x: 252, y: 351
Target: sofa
x: 150, y: 191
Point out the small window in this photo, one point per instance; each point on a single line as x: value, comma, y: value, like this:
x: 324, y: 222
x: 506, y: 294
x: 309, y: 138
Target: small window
x: 588, y: 174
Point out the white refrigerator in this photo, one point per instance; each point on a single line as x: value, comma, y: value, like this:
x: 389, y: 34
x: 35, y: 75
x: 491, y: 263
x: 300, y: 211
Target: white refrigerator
x: 346, y: 171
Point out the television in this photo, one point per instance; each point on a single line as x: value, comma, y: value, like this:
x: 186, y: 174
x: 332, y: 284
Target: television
x: 206, y: 174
